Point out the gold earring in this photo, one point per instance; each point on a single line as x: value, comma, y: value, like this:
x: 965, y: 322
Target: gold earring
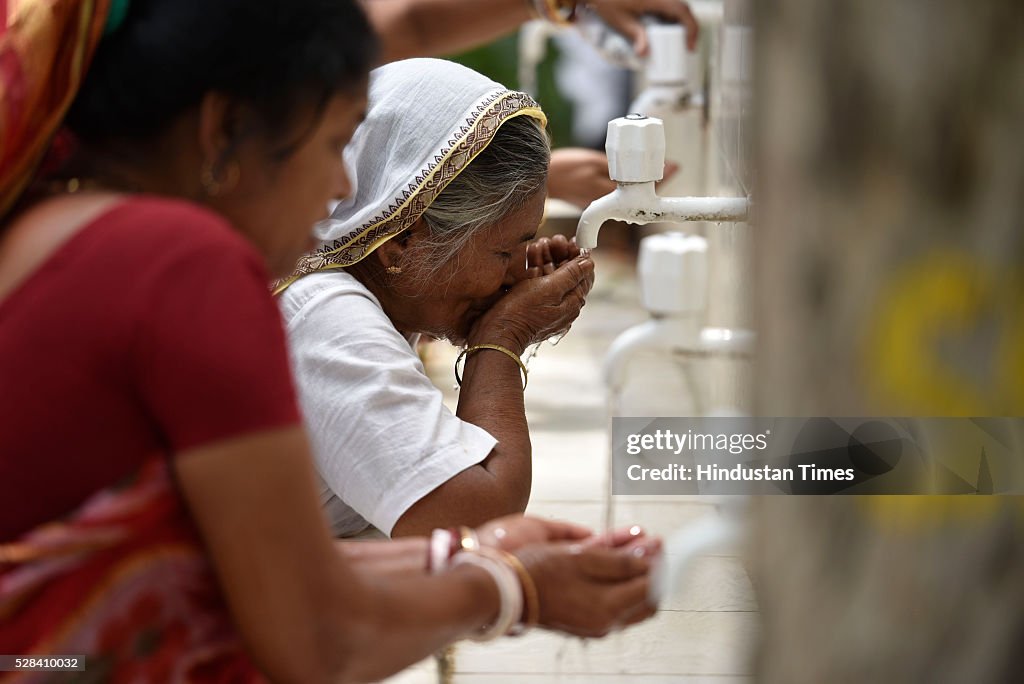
x: 394, y: 270
x: 212, y: 184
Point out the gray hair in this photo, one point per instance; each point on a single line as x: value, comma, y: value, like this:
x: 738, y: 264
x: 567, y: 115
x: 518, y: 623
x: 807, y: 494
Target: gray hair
x: 498, y: 182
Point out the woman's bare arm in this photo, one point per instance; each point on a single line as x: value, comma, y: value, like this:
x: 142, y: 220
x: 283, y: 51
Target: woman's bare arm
x: 491, y: 397
x: 426, y: 28
x: 312, y: 610
x: 304, y: 611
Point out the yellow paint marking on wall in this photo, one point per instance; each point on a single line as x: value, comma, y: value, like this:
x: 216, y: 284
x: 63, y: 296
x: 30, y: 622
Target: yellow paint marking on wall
x: 916, y: 513
x: 945, y: 296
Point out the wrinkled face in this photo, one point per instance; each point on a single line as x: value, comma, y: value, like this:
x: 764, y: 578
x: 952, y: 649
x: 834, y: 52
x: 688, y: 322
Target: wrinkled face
x: 276, y: 203
x: 451, y: 299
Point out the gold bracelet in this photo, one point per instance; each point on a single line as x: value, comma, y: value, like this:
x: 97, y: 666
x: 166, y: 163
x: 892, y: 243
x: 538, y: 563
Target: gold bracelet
x: 468, y: 540
x: 510, y: 605
x: 531, y: 599
x: 561, y: 12
x: 496, y: 347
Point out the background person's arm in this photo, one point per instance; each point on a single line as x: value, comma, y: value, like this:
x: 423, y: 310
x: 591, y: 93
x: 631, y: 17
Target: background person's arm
x: 425, y: 28
x: 578, y: 175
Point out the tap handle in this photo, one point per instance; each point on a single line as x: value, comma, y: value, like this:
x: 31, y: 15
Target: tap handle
x: 636, y: 149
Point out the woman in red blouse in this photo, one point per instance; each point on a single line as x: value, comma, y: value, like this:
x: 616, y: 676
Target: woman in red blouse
x: 158, y: 508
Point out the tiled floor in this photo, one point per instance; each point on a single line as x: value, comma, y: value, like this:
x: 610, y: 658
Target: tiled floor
x: 704, y: 632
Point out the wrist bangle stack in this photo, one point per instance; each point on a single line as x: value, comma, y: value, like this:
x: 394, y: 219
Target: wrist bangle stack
x: 509, y: 591
x: 444, y: 544
x: 531, y: 598
x: 556, y: 11
x: 468, y: 539
x: 440, y: 551
x: 496, y: 347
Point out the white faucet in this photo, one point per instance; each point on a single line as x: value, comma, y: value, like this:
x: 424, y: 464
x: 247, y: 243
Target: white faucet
x: 636, y: 160
x: 673, y: 273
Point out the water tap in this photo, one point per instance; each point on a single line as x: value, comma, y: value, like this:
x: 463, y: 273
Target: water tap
x: 636, y: 160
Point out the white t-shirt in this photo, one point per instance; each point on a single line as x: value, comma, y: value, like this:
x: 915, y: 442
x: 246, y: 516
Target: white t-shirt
x: 382, y: 438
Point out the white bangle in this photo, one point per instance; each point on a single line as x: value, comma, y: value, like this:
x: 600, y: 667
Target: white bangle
x: 509, y: 591
x: 440, y: 547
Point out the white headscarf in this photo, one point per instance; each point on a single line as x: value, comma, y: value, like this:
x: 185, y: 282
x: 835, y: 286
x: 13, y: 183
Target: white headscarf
x: 426, y: 120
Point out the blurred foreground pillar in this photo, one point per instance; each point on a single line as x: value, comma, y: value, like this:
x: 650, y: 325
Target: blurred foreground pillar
x: 890, y: 244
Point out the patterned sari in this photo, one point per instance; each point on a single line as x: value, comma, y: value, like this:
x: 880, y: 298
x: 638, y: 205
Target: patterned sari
x: 123, y: 579
x: 45, y: 47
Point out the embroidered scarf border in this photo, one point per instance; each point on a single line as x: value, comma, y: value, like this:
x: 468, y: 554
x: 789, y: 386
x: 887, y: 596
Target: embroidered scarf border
x: 472, y: 138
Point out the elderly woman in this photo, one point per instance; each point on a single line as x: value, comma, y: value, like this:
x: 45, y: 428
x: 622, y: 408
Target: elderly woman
x: 450, y: 171
x: 159, y: 517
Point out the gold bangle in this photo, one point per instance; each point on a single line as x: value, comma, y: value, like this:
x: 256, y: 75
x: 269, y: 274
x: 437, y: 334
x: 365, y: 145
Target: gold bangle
x: 504, y: 575
x: 531, y: 599
x: 496, y: 347
x: 468, y: 541
x: 561, y: 12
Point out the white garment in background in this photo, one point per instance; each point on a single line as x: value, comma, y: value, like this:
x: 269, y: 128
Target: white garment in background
x: 382, y: 438
x: 598, y: 90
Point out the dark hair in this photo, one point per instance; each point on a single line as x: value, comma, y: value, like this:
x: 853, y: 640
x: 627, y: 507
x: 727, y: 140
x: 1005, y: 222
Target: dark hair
x: 279, y: 58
